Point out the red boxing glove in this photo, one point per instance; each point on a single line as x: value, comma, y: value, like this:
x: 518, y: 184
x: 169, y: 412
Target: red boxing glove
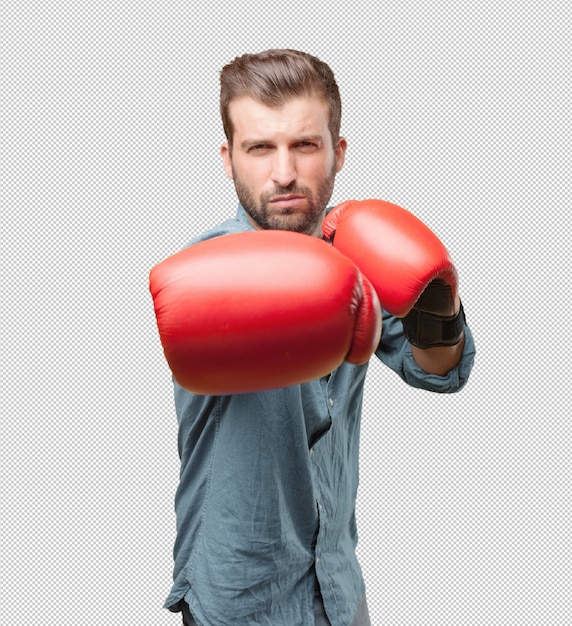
x: 407, y: 264
x: 259, y: 310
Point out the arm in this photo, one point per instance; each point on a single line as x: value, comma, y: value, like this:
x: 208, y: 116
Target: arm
x: 396, y: 352
x: 438, y: 359
x: 412, y: 273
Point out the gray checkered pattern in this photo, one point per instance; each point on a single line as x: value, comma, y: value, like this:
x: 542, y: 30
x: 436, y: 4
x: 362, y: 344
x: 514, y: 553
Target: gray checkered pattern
x: 457, y: 112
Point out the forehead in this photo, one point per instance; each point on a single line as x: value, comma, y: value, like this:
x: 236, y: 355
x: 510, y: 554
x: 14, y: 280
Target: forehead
x: 296, y: 117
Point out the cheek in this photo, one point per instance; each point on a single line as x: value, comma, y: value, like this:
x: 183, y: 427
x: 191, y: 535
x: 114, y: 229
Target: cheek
x: 253, y: 173
x: 319, y: 169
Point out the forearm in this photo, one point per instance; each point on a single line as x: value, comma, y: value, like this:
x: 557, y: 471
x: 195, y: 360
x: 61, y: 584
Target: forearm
x: 439, y: 360
x: 397, y: 354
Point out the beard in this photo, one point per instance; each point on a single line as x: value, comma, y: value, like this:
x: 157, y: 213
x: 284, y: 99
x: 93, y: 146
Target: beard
x: 306, y: 221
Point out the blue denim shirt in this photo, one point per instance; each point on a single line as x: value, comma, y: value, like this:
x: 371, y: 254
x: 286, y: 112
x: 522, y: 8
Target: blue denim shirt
x: 267, y: 492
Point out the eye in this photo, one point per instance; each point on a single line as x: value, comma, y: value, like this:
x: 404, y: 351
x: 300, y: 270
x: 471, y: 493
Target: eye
x: 259, y: 148
x: 307, y: 146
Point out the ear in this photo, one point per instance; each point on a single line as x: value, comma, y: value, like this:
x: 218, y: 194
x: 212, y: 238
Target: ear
x: 340, y: 152
x: 226, y: 159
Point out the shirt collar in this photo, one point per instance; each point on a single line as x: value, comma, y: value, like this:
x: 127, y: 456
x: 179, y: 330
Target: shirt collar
x: 242, y: 216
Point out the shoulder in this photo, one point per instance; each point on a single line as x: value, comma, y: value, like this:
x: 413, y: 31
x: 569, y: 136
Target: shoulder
x: 228, y: 227
x: 237, y: 224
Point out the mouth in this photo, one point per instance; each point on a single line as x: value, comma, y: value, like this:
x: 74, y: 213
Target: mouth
x: 288, y: 201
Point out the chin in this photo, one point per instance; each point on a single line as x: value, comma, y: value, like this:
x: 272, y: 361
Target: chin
x: 304, y: 229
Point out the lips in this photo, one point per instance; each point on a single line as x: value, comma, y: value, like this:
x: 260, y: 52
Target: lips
x: 288, y: 201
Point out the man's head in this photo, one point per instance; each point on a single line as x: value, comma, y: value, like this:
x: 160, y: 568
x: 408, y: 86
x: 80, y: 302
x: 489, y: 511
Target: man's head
x: 275, y: 76
x: 281, y: 114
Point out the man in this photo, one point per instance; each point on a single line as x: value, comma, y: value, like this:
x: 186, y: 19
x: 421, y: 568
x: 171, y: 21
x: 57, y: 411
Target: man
x: 266, y: 530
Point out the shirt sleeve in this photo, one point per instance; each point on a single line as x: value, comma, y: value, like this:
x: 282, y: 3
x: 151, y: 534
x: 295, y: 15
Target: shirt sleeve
x: 395, y: 352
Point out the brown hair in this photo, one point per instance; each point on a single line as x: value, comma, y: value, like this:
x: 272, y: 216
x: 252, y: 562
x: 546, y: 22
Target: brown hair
x: 275, y: 76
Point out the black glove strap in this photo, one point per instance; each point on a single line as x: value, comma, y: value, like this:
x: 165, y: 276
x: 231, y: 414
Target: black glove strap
x: 427, y: 330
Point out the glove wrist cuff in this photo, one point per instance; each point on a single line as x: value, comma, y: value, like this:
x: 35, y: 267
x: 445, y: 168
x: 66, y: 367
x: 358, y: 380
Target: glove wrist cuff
x: 427, y: 330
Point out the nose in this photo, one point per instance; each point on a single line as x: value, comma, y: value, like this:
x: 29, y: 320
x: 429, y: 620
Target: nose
x: 283, y: 168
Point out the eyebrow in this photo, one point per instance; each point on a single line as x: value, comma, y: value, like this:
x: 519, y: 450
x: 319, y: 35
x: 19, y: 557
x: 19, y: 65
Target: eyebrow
x: 248, y: 143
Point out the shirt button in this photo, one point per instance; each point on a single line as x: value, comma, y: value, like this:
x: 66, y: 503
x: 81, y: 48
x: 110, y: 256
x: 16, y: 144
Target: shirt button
x: 320, y: 507
x: 331, y: 402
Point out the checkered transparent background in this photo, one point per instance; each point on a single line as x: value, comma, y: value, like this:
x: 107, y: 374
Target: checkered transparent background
x: 456, y: 112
